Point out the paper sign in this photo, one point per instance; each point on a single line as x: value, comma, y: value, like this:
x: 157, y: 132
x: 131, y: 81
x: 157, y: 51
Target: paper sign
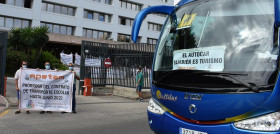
x: 207, y: 58
x: 93, y: 62
x: 186, y: 21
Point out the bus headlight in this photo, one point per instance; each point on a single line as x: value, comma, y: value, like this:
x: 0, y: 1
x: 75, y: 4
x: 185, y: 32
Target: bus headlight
x: 269, y: 122
x: 154, y: 107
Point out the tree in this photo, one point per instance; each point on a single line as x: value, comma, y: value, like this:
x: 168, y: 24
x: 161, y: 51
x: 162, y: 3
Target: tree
x: 26, y: 39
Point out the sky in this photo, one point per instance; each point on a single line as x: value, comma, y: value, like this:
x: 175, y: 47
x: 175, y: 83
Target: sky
x: 176, y: 1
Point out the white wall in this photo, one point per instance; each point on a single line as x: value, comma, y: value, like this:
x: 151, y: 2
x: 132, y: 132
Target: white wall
x: 36, y: 16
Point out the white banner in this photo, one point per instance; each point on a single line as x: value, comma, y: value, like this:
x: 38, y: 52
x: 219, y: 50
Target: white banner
x: 46, y: 90
x: 66, y: 58
x: 207, y: 58
x: 77, y: 59
x: 93, y: 62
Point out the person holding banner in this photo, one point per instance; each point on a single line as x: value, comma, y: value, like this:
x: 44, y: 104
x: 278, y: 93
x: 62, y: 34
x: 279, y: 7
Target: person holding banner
x: 47, y: 67
x: 76, y: 76
x: 17, y: 79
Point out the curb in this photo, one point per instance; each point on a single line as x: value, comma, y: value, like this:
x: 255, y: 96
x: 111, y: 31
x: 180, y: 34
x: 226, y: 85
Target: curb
x: 7, y: 104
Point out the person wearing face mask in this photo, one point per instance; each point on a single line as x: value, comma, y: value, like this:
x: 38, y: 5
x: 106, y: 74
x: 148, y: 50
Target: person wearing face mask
x: 17, y: 79
x: 139, y: 83
x: 76, y: 76
x: 47, y: 67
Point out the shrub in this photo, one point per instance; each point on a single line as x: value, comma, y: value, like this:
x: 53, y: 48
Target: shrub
x: 13, y: 61
x: 47, y: 56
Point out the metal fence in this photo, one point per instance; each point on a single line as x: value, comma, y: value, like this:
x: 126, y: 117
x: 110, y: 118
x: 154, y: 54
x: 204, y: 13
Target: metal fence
x: 125, y: 60
x: 3, y: 49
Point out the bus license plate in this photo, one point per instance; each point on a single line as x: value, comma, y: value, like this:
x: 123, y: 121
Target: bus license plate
x: 189, y: 131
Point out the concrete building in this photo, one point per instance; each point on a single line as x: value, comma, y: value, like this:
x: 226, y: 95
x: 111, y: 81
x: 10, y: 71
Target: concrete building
x: 71, y: 21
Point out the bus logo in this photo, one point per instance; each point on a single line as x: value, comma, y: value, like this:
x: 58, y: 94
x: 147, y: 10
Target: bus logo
x: 192, y: 109
x: 166, y: 96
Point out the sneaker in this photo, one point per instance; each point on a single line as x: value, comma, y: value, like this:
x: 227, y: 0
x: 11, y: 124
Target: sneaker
x: 50, y: 112
x: 17, y: 112
x: 27, y: 112
x: 63, y: 112
x: 42, y: 112
x: 74, y: 112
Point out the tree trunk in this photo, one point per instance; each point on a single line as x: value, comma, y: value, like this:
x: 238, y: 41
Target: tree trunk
x: 38, y: 54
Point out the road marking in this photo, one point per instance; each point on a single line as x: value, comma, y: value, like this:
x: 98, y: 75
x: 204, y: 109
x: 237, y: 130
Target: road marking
x: 5, y: 112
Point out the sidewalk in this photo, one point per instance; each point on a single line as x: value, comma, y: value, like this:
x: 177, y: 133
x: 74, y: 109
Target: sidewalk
x: 3, y: 104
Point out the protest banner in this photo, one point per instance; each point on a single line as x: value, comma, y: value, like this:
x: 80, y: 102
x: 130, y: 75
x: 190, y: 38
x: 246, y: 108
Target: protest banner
x: 66, y: 58
x: 77, y: 59
x: 46, y: 90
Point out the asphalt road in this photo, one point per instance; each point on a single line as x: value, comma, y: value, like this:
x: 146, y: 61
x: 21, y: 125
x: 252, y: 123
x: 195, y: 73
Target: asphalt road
x: 11, y: 88
x: 96, y: 115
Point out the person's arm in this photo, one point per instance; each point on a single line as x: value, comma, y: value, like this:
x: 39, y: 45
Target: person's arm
x: 16, y: 82
x: 77, y: 76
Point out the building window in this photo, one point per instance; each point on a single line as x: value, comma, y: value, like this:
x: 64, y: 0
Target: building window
x: 97, y: 16
x: 44, y: 7
x: 152, y: 41
x: 57, y: 9
x: 126, y: 21
x: 19, y: 3
x: 126, y: 38
x: 96, y: 34
x: 9, y: 22
x: 60, y: 9
x: 130, y: 5
x: 59, y: 29
x: 154, y: 26
x: 2, y: 21
x: 108, y: 2
x: 13, y: 22
x: 162, y: 15
x: 50, y: 7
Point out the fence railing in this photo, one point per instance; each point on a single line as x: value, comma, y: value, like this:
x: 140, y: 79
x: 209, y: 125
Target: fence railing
x: 125, y: 60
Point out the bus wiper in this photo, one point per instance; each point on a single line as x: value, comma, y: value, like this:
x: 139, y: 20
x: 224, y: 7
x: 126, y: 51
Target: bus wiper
x: 251, y: 86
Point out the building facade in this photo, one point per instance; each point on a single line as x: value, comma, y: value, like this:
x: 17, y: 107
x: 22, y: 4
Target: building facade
x: 71, y: 21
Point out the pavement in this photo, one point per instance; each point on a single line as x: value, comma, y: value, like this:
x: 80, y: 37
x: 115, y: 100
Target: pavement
x: 3, y: 104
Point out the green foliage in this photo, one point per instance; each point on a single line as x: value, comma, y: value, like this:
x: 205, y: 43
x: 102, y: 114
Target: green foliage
x: 26, y: 39
x: 48, y: 57
x: 13, y: 61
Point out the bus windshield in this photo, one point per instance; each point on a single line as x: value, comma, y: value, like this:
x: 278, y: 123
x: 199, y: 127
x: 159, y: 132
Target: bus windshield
x: 219, y: 45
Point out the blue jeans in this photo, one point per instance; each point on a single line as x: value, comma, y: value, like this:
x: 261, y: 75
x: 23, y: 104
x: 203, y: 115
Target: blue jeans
x: 18, y: 94
x: 74, y: 98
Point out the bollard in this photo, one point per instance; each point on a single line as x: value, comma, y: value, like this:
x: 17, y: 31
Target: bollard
x: 87, y: 86
x: 5, y: 86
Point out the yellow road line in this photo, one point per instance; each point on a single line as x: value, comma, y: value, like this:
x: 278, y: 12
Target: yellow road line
x: 5, y: 112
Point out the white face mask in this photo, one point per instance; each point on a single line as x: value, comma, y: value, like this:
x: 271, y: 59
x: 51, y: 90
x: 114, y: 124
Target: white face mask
x: 24, y: 66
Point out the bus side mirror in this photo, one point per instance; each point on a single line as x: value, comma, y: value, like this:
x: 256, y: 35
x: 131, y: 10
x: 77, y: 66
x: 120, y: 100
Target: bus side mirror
x: 277, y: 12
x: 142, y: 14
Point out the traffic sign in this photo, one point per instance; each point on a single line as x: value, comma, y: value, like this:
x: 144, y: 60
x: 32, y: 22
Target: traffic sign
x: 107, y: 62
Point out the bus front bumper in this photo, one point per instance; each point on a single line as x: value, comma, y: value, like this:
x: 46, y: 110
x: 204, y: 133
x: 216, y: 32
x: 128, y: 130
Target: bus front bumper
x: 168, y: 124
